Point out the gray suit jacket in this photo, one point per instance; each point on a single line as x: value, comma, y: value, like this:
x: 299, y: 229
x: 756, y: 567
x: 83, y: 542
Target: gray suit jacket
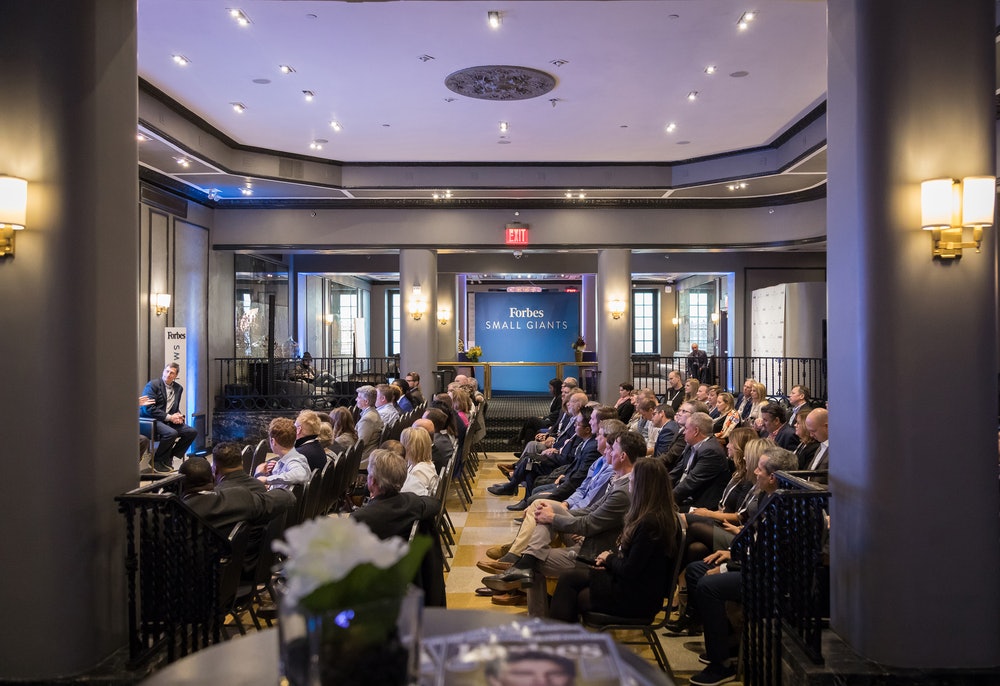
x: 369, y: 430
x: 601, y: 523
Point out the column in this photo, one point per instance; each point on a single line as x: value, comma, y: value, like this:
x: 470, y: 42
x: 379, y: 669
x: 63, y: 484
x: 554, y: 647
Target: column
x: 912, y: 342
x: 418, y: 269
x: 588, y: 310
x: 68, y: 413
x: 614, y: 282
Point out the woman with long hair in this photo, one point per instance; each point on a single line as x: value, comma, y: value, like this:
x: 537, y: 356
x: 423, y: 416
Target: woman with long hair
x: 807, y: 447
x: 420, y: 475
x: 758, y: 399
x: 624, y: 403
x: 629, y: 581
x: 344, y: 433
x: 728, y: 418
x: 691, y: 389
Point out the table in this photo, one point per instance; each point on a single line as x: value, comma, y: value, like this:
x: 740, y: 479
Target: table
x: 252, y: 660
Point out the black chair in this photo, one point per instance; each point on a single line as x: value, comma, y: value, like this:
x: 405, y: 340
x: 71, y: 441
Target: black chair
x: 312, y: 496
x: 247, y: 455
x: 257, y: 577
x: 259, y: 455
x: 327, y: 489
x: 648, y: 626
x: 231, y: 572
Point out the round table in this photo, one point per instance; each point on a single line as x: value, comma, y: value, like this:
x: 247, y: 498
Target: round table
x: 252, y: 660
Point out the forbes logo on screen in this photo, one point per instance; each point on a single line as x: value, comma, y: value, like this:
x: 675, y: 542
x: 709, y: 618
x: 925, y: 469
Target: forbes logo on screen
x: 526, y: 313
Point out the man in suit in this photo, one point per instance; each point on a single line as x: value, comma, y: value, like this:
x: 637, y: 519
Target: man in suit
x: 782, y: 433
x: 175, y: 436
x: 224, y: 508
x: 745, y: 403
x: 390, y: 512
x: 798, y: 399
x: 703, y: 471
x: 369, y: 426
x: 697, y: 362
x: 563, y: 481
x: 227, y: 465
x: 817, y: 422
x: 663, y: 419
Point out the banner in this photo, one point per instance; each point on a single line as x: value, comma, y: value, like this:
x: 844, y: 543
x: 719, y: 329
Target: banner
x: 526, y: 327
x: 175, y: 350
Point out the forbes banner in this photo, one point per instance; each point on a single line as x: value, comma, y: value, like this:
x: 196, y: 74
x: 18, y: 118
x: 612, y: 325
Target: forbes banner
x: 526, y: 327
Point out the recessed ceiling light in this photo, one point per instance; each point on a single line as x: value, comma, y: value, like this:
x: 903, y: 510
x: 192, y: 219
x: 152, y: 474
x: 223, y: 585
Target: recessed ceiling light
x: 693, y: 95
x: 504, y: 127
x: 317, y: 144
x: 141, y: 137
x: 239, y: 16
x: 737, y: 186
x: 238, y: 107
x: 710, y: 69
x: 183, y: 161
x: 308, y: 95
x: 213, y: 193
x: 335, y: 125
x: 671, y: 127
x: 246, y: 190
x: 181, y: 60
x: 744, y: 21
x: 286, y: 69
x: 494, y: 19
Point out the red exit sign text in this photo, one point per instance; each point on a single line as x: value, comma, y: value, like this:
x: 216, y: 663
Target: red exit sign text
x: 515, y: 234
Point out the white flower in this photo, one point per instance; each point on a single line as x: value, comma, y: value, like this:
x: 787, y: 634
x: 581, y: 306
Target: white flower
x: 326, y: 549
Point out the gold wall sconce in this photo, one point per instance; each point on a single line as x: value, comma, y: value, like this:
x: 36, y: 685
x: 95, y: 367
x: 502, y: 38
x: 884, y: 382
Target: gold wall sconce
x: 328, y: 319
x: 161, y: 303
x: 675, y: 321
x: 13, y: 210
x: 418, y: 306
x: 617, y: 308
x: 948, y: 207
x: 444, y: 316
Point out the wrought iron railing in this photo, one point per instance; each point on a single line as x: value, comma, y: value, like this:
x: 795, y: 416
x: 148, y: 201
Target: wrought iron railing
x: 173, y: 562
x: 783, y: 560
x: 778, y: 374
x: 281, y: 383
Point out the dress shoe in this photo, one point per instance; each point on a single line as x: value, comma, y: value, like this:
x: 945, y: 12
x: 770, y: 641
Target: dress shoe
x: 513, y: 579
x: 484, y: 592
x: 493, y: 567
x: 507, y: 469
x: 519, y: 506
x: 510, y: 599
x: 497, y: 551
x: 714, y: 675
x: 503, y: 489
x: 684, y: 624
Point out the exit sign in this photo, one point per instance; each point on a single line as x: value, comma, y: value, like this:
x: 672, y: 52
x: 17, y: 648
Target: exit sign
x: 515, y: 234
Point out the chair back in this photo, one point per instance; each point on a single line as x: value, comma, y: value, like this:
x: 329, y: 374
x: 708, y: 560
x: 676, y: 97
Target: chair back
x: 247, y: 455
x: 327, y: 494
x: 352, y: 463
x: 311, y: 506
x: 232, y: 565
x: 259, y: 455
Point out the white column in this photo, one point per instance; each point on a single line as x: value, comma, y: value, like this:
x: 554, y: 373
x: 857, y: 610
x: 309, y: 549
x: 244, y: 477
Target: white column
x: 614, y: 282
x: 418, y: 268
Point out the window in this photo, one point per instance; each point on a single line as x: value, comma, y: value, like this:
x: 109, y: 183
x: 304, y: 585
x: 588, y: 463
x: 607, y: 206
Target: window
x: 698, y: 322
x: 392, y: 323
x: 645, y: 323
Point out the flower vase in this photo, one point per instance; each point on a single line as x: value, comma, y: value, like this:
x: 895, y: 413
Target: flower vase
x: 370, y: 642
x: 579, y: 355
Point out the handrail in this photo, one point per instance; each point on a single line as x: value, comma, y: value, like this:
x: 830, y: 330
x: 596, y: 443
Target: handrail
x: 781, y: 555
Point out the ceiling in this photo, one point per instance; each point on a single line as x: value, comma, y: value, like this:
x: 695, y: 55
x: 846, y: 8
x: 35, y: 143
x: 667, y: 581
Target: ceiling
x: 622, y: 72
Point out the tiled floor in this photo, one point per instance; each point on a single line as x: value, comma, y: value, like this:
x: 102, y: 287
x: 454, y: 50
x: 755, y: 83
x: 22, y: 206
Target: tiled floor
x: 488, y: 523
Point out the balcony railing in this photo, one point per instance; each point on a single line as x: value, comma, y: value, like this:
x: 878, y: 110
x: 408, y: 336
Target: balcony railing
x: 778, y: 374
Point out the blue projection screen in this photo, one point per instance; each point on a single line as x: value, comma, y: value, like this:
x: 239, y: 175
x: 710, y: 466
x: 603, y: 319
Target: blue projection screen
x: 526, y: 327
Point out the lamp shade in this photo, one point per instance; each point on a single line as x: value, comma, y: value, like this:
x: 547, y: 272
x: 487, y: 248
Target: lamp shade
x: 936, y: 203
x: 978, y: 200
x: 13, y: 202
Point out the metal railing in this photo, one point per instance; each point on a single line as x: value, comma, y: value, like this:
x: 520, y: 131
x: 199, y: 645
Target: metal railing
x: 778, y: 374
x: 282, y: 383
x: 783, y: 562
x: 588, y: 372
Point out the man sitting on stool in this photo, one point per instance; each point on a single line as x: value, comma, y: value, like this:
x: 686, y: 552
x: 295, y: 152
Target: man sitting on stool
x: 175, y: 436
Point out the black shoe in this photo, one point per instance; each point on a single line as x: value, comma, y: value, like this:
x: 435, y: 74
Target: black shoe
x: 713, y: 676
x: 513, y: 579
x: 484, y: 592
x: 503, y: 489
x: 685, y: 624
x: 163, y: 469
x: 734, y: 651
x: 519, y: 506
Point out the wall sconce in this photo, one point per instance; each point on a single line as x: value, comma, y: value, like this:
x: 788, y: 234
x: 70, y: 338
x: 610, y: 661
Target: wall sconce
x: 675, y: 321
x: 444, y: 315
x: 328, y: 319
x: 617, y: 308
x: 715, y: 317
x: 161, y: 303
x: 947, y: 207
x: 13, y: 209
x: 418, y: 306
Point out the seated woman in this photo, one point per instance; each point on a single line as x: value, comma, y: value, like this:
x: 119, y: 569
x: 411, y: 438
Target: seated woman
x: 420, y: 475
x: 533, y: 425
x: 808, y: 445
x: 344, y: 433
x: 624, y: 404
x: 710, y: 530
x: 713, y: 401
x: 691, y: 389
x: 728, y: 418
x: 758, y: 399
x: 462, y: 404
x: 630, y: 581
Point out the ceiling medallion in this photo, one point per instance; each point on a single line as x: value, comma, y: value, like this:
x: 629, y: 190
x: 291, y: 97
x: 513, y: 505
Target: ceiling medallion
x: 500, y: 82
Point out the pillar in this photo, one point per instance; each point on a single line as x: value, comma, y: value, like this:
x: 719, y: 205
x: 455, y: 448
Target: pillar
x: 912, y: 342
x: 588, y: 310
x: 614, y: 281
x: 68, y: 413
x: 418, y: 268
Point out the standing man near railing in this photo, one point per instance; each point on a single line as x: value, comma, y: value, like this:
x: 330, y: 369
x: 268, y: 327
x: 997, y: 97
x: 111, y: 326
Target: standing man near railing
x: 174, y: 435
x: 697, y: 363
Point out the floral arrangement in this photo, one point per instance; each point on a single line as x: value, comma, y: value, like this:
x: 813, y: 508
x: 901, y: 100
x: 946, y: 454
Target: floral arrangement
x: 579, y: 344
x: 474, y: 353
x: 333, y: 562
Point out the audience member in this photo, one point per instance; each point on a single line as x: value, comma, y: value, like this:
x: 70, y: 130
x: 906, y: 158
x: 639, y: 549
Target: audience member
x: 563, y: 481
x: 443, y: 444
x: 799, y: 400
x: 758, y: 400
x: 628, y: 580
x: 174, y: 435
x: 674, y: 395
x: 697, y: 363
x: 291, y: 467
x: 727, y: 418
x: 775, y: 428
x: 224, y: 508
x: 667, y: 429
x: 702, y: 394
x: 533, y: 425
x: 421, y: 478
x: 691, y: 388
x: 808, y: 445
x: 703, y: 471
x: 391, y: 512
x: 385, y: 404
x: 307, y: 439
x: 713, y: 400
x: 393, y: 446
x: 227, y: 465
x: 344, y: 433
x: 370, y: 424
x: 405, y: 400
x: 817, y: 422
x: 416, y: 394
x: 644, y: 410
x: 624, y: 403
x: 745, y: 402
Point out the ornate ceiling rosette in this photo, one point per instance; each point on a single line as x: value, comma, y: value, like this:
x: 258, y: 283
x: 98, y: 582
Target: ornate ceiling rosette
x: 500, y: 82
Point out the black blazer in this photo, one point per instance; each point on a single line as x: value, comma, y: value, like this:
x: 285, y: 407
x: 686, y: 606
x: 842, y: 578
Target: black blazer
x: 707, y: 478
x: 157, y: 390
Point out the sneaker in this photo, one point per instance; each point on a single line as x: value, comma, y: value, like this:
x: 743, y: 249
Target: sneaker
x: 161, y: 469
x: 713, y: 675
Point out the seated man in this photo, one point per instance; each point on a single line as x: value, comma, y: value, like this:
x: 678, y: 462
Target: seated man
x: 224, y: 508
x: 369, y: 425
x: 592, y: 487
x: 291, y: 467
x: 711, y: 584
x: 644, y: 411
x: 776, y: 428
x: 385, y: 404
x: 391, y: 512
x: 586, y: 532
x: 562, y: 482
x: 175, y: 436
x: 227, y: 465
x: 307, y: 439
x: 416, y: 394
x: 818, y: 425
x: 703, y: 470
x: 663, y: 419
